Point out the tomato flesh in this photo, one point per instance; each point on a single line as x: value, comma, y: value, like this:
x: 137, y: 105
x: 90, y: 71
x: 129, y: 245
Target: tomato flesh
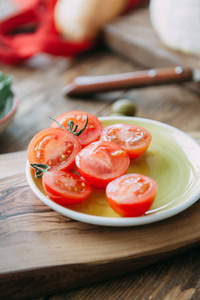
x: 100, y: 162
x: 131, y: 195
x: 54, y: 147
x: 133, y: 139
x: 65, y: 188
x: 93, y: 130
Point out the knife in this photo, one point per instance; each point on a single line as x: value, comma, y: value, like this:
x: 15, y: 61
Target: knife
x: 88, y: 85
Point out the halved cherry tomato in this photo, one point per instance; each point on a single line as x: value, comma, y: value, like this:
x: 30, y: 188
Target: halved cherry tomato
x: 131, y: 195
x: 133, y: 139
x: 100, y: 162
x: 65, y: 188
x: 93, y: 130
x: 54, y: 147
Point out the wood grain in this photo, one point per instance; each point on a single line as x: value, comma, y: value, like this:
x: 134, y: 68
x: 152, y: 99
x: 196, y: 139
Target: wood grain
x: 42, y: 251
x: 38, y: 87
x: 26, y: 221
x: 38, y: 84
x: 176, y: 278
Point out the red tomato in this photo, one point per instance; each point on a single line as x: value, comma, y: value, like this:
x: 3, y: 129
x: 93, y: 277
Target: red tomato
x: 65, y: 188
x: 54, y: 147
x: 100, y: 162
x: 93, y: 130
x: 131, y: 195
x: 133, y: 139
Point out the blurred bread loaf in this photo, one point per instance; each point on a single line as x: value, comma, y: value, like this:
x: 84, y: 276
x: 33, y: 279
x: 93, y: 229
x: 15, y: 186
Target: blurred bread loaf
x: 80, y: 20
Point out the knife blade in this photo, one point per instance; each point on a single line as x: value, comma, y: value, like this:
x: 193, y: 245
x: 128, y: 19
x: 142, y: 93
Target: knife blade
x: 88, y: 85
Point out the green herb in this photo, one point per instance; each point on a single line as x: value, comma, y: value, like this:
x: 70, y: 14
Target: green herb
x: 71, y: 127
x: 40, y: 169
x: 6, y: 95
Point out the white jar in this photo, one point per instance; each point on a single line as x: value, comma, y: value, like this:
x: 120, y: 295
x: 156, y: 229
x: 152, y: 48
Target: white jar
x: 177, y: 23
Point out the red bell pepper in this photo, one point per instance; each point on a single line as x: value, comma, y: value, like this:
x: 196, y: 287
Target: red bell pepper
x: 18, y: 43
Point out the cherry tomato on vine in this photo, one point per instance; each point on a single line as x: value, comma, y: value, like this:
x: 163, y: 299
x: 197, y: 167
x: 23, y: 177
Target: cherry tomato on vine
x: 131, y: 195
x: 135, y: 140
x: 65, y: 188
x: 93, y: 130
x: 55, y: 147
x: 100, y: 162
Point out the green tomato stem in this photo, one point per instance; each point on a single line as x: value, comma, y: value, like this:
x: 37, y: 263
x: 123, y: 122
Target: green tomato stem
x: 71, y: 127
x: 40, y: 169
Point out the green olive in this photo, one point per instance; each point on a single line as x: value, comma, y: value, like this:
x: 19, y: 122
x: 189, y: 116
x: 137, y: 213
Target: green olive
x: 117, y: 114
x: 124, y: 106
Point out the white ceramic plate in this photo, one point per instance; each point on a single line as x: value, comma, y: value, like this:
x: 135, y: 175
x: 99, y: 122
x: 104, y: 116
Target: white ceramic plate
x: 173, y: 160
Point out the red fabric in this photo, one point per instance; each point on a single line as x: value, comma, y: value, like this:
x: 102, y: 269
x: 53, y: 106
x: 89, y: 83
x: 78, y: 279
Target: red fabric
x: 132, y: 4
x: 16, y: 47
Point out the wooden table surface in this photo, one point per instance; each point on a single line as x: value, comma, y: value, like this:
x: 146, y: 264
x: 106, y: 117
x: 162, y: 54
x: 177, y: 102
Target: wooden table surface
x: 38, y: 85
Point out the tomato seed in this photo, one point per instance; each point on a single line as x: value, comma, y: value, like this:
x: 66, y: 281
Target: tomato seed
x: 118, y: 153
x: 144, y: 188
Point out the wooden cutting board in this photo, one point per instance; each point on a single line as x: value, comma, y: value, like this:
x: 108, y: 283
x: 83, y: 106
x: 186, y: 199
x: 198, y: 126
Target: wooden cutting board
x: 134, y: 37
x: 42, y: 252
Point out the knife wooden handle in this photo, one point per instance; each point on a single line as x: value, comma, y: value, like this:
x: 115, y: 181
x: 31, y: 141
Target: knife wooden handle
x: 87, y: 85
